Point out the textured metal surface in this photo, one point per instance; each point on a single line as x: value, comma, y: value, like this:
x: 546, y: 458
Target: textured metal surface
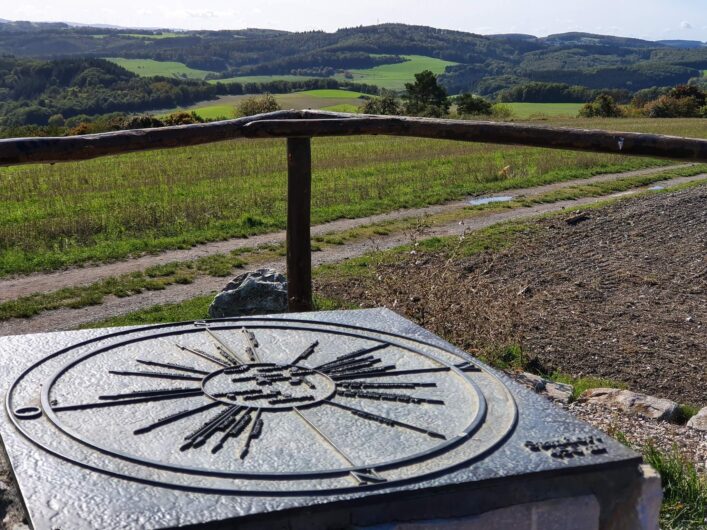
x: 167, y: 422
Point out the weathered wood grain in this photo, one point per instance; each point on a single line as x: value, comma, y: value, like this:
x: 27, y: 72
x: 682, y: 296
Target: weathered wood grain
x: 292, y: 123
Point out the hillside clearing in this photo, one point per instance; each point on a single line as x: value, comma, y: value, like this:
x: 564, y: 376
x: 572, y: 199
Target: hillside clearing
x: 528, y: 110
x: 394, y: 76
x: 150, y: 68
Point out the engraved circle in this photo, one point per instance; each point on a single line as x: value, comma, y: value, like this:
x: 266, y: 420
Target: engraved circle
x: 268, y: 386
x: 369, y: 377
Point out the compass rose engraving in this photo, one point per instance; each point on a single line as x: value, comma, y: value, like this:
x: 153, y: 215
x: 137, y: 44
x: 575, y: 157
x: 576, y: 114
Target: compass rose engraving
x: 244, y: 388
x: 262, y: 405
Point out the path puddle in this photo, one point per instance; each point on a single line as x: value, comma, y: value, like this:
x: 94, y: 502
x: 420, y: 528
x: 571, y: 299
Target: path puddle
x: 488, y: 200
x: 656, y: 188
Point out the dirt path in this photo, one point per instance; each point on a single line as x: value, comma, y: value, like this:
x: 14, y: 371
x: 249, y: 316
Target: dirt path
x: 113, y: 306
x: 12, y: 288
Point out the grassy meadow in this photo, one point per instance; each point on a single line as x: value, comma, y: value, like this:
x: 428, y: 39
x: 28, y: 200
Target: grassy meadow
x: 394, y: 76
x: 531, y: 110
x: 149, y: 68
x: 334, y: 99
x: 261, y: 78
x: 66, y: 214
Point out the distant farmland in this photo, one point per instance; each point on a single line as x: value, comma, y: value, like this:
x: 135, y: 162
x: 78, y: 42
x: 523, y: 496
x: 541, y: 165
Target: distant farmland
x: 113, y: 207
x: 527, y: 110
x: 390, y: 76
x: 149, y: 68
x: 394, y: 76
x: 260, y: 79
x: 336, y: 100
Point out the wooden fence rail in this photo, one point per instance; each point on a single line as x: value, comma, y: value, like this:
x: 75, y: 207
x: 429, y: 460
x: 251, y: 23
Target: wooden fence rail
x: 299, y: 126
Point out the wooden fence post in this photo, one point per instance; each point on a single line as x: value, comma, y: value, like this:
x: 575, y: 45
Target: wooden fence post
x: 299, y: 201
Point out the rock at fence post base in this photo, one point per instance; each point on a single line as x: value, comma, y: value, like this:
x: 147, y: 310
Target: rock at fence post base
x: 253, y: 293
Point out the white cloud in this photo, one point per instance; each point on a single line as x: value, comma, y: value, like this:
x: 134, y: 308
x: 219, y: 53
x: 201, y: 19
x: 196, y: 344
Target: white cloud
x: 685, y: 25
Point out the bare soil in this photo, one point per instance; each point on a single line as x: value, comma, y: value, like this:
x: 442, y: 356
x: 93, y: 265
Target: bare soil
x: 621, y: 294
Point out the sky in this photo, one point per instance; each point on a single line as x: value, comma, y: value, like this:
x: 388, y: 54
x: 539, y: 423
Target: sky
x: 647, y: 19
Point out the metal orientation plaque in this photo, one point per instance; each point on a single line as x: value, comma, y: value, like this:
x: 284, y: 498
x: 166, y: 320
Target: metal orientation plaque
x: 267, y: 407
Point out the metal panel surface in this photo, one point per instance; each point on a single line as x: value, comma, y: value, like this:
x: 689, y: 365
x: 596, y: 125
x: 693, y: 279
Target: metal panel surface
x: 189, y: 423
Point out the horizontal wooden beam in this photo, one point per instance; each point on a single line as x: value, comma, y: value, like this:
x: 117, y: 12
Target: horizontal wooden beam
x: 626, y: 143
x: 34, y: 150
x: 292, y: 124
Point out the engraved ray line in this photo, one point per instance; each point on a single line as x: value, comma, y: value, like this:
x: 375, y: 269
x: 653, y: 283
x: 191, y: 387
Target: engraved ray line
x: 253, y: 345
x: 176, y: 417
x: 385, y: 420
x: 234, y: 431
x: 381, y: 373
x: 361, y: 477
x: 203, y: 355
x: 361, y: 385
x: 345, y: 364
x: 157, y: 375
x: 172, y: 366
x: 226, y: 352
x: 352, y: 368
x: 203, y: 433
x: 370, y: 372
x: 306, y: 353
x: 147, y: 393
x: 357, y: 353
x: 123, y: 402
x: 256, y: 429
x: 387, y: 396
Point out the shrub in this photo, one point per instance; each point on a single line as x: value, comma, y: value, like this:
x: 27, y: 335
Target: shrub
x: 502, y: 112
x: 142, y: 121
x: 603, y: 106
x: 183, y: 118
x: 388, y: 103
x: 671, y: 107
x: 257, y: 105
x: 469, y: 104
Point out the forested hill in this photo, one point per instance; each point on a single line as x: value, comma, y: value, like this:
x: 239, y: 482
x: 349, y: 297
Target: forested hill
x: 484, y: 64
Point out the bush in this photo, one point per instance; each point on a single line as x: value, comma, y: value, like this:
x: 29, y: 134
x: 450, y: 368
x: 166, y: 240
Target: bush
x: 469, y: 104
x: 183, y: 118
x: 603, y: 106
x: 257, y: 105
x: 142, y: 121
x: 502, y: 112
x: 57, y: 120
x: 388, y: 103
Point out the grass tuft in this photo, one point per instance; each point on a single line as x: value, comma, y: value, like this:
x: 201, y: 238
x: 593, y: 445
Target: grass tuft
x: 684, y: 490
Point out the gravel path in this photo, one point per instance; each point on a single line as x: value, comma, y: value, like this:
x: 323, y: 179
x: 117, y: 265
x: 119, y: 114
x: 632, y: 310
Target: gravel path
x: 16, y: 287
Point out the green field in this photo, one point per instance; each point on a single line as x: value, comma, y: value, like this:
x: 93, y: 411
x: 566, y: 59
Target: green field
x: 336, y: 100
x: 149, y: 68
x: 528, y: 110
x: 332, y: 93
x: 394, y: 76
x: 110, y: 208
x: 343, y: 107
x: 261, y: 79
x: 164, y: 35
